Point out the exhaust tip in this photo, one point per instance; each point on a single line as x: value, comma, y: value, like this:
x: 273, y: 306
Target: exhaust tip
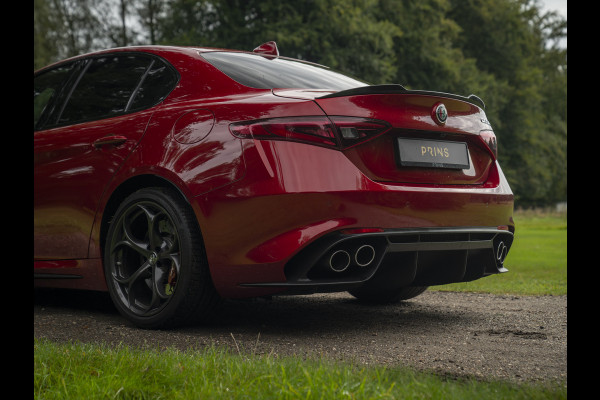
x: 339, y: 260
x: 501, y: 251
x: 364, y: 255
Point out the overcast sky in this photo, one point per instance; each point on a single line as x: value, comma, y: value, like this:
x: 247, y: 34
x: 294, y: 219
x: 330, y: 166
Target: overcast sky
x: 561, y: 7
x: 556, y: 5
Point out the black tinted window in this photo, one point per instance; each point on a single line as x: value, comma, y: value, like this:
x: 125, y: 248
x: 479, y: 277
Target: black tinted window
x: 157, y: 84
x: 264, y: 72
x: 105, y: 88
x: 46, y: 87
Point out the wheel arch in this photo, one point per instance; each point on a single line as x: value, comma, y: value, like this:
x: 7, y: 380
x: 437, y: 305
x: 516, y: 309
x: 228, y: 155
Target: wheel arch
x: 125, y: 189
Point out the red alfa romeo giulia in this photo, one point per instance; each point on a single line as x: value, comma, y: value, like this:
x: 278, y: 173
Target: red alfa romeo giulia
x: 173, y: 177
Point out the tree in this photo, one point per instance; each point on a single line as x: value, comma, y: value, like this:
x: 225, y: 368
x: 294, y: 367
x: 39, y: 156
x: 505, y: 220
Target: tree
x: 45, y: 26
x: 342, y: 34
x: 65, y: 28
x: 150, y: 12
x: 508, y: 40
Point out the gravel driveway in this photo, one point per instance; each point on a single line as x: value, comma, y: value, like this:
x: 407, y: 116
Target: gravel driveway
x: 518, y: 338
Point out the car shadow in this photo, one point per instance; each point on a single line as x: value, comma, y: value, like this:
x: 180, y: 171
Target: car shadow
x: 330, y: 314
x: 291, y: 316
x: 74, y: 299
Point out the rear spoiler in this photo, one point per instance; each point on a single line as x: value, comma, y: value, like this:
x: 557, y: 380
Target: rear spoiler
x: 399, y: 89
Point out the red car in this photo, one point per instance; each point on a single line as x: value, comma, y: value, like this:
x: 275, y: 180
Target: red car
x: 174, y: 177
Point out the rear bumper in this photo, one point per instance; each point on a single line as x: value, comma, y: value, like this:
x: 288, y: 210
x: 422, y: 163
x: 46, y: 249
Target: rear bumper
x: 395, y: 258
x: 271, y: 244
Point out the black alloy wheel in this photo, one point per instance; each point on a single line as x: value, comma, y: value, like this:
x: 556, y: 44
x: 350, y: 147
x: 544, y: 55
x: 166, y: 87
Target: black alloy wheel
x: 155, y: 264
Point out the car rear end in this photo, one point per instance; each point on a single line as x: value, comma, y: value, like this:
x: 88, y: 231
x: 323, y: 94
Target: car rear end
x: 377, y: 185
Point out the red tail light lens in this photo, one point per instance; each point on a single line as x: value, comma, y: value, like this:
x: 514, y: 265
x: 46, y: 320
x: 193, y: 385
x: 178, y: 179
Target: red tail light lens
x: 353, y: 131
x: 315, y: 130
x: 339, y: 132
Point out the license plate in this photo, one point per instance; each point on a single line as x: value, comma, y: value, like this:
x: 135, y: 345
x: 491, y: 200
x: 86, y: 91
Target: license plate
x: 432, y: 153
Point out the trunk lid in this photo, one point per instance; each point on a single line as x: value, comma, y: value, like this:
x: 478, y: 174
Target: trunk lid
x: 425, y: 144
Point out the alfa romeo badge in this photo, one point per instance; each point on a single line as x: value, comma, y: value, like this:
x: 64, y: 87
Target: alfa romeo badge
x: 441, y: 114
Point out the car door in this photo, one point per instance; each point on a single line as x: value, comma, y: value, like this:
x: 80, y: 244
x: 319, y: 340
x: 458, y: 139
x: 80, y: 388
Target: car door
x: 82, y: 144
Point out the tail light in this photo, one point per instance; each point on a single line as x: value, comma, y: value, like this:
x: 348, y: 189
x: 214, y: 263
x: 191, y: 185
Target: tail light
x: 489, y: 138
x: 353, y: 131
x: 337, y: 132
x: 314, y: 130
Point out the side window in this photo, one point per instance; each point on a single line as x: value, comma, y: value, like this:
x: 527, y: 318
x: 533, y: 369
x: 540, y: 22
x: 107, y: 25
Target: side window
x: 105, y: 88
x: 46, y: 87
x: 157, y: 84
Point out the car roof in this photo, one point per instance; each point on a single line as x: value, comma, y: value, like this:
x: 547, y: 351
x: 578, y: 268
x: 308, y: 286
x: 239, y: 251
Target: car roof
x: 154, y: 49
x: 271, y: 51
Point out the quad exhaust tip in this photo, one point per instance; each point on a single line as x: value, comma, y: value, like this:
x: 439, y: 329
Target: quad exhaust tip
x: 364, y: 255
x: 340, y: 260
x: 501, y: 252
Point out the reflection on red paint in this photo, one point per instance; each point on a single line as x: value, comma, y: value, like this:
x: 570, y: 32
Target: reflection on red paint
x: 286, y: 244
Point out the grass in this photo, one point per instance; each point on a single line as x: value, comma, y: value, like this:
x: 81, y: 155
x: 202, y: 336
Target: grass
x: 537, y: 264
x: 537, y: 260
x: 84, y: 371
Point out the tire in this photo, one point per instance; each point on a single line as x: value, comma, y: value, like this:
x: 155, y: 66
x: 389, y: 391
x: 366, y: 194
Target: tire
x: 155, y: 263
x: 368, y: 295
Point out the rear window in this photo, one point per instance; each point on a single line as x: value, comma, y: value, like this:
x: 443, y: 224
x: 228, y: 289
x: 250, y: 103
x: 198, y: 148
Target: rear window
x: 265, y: 72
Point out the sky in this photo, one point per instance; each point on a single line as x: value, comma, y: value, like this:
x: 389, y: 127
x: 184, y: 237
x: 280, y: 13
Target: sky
x: 561, y: 7
x: 555, y: 5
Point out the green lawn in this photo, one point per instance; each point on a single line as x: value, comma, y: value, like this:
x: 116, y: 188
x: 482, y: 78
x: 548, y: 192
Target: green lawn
x: 78, y: 371
x: 537, y: 261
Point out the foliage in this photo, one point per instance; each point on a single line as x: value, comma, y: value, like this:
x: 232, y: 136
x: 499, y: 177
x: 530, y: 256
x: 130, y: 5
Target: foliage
x: 505, y: 51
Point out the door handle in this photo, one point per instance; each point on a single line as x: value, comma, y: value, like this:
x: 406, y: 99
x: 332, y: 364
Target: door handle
x: 114, y: 140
